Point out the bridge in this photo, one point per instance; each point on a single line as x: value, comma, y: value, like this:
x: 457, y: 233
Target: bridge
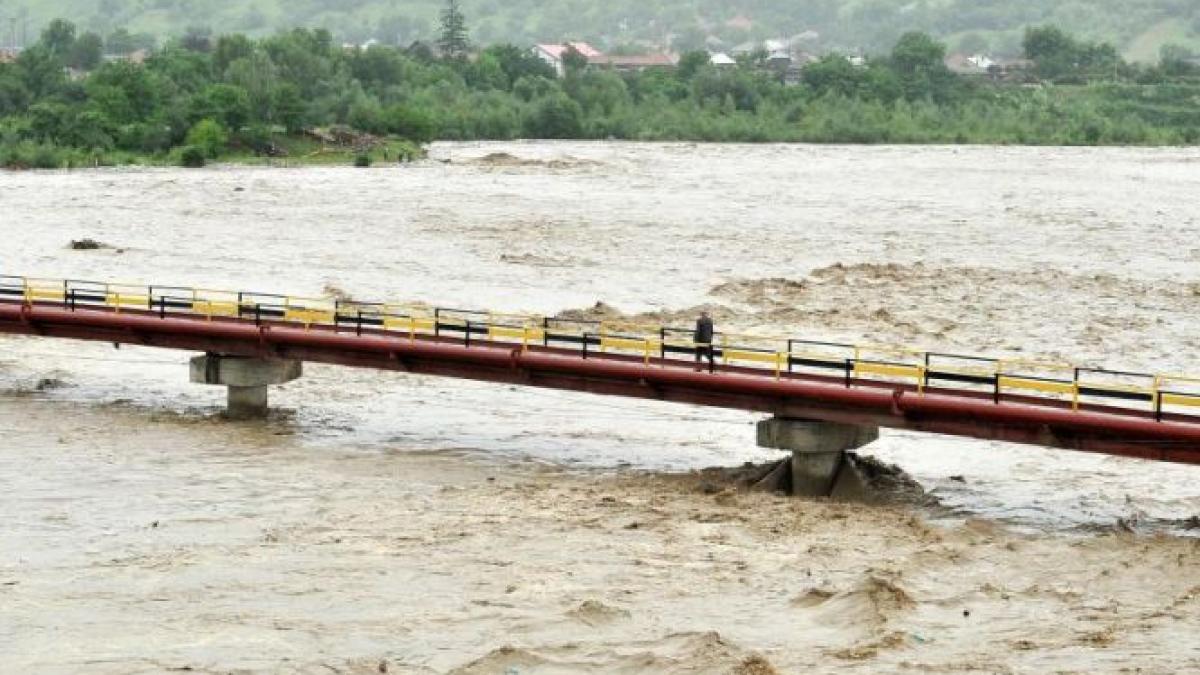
x: 824, y: 397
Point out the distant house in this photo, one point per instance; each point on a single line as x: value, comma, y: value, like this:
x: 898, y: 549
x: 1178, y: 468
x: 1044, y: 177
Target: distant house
x: 135, y: 57
x: 746, y: 48
x: 722, y: 60
x: 553, y: 54
x: 968, y: 64
x: 983, y: 66
x: 633, y: 63
x: 9, y: 55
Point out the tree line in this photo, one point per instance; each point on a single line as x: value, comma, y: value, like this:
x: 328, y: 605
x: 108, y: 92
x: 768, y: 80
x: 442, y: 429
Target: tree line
x: 990, y: 26
x: 62, y: 104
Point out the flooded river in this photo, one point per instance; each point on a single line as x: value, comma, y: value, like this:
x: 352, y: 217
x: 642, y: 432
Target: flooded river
x: 432, y: 526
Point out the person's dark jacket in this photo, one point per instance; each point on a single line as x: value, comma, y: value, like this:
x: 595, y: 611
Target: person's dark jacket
x: 704, y: 331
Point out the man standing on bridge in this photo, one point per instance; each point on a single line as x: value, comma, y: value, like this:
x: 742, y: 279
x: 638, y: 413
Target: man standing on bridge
x: 703, y: 339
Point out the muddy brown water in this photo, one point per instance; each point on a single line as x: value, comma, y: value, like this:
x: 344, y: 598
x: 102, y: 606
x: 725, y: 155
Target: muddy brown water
x: 359, y: 525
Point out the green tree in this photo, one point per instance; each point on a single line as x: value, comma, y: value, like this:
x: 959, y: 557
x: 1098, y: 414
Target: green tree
x: 691, y: 63
x: 197, y: 39
x: 485, y: 73
x: 834, y: 74
x: 1177, y: 61
x: 452, y: 40
x: 919, y: 62
x: 120, y: 42
x: 408, y: 122
x: 598, y: 92
x: 534, y: 86
x: 209, y: 136
x: 14, y: 97
x: 556, y: 116
x: 58, y: 37
x: 257, y: 76
x: 40, y: 71
x: 518, y: 63
x: 366, y: 115
x: 230, y: 48
x: 573, y: 60
x: 1053, y: 52
x: 226, y: 103
x: 87, y: 52
x: 289, y: 107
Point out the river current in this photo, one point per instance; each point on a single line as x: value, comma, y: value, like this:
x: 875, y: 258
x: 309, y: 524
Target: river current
x: 432, y: 524
x: 1087, y: 255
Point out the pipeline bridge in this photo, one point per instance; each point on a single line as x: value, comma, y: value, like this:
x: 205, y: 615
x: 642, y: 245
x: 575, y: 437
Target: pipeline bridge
x: 825, y: 397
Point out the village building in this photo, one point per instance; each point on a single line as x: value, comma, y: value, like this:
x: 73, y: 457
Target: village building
x: 722, y: 60
x: 633, y: 63
x: 137, y: 57
x: 982, y: 66
x: 553, y: 54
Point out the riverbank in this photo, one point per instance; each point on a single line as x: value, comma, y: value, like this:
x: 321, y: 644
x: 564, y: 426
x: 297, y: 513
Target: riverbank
x: 276, y: 150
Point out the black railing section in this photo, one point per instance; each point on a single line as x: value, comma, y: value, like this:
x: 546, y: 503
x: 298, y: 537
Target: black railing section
x: 1143, y: 393
x: 933, y: 374
x: 588, y: 335
x: 815, y: 361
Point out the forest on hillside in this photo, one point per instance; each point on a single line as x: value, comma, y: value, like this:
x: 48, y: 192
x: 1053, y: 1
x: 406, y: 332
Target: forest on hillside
x: 1137, y: 28
x: 63, y: 103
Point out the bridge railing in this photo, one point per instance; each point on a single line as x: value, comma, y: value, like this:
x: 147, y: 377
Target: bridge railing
x: 780, y: 356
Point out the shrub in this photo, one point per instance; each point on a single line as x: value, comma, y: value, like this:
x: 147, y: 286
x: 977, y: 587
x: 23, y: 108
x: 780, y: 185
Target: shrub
x: 555, y: 116
x: 410, y: 123
x: 209, y: 136
x: 192, y: 157
x: 362, y: 160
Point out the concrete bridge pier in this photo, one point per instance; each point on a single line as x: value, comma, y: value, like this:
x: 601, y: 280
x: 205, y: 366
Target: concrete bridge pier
x: 246, y: 378
x: 818, y: 453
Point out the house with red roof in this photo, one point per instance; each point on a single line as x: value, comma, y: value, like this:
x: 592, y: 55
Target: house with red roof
x: 553, y: 54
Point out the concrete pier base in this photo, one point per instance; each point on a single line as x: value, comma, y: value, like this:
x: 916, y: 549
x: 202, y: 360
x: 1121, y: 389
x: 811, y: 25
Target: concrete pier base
x: 818, y: 451
x: 246, y: 378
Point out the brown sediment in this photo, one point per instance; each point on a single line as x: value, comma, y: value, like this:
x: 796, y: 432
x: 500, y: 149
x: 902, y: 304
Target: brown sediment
x: 485, y: 566
x: 508, y: 160
x: 883, y: 483
x: 284, y: 539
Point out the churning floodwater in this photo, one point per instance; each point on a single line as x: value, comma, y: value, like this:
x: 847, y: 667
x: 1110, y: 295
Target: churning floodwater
x: 1087, y: 255
x: 428, y: 522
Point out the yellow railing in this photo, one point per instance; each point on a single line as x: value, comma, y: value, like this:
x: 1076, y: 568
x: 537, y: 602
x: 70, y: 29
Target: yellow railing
x: 884, y: 363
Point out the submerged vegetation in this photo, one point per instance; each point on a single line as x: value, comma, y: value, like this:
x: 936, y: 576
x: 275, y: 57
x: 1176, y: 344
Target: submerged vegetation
x: 300, y: 96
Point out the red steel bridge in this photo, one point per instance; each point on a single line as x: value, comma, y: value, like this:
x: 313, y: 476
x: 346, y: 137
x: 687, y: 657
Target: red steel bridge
x: 1151, y: 416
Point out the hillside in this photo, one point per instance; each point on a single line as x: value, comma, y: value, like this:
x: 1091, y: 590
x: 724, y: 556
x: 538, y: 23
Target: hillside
x: 1137, y: 27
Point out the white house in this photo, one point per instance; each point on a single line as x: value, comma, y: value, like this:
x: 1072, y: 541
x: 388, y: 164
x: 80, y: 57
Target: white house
x: 721, y: 60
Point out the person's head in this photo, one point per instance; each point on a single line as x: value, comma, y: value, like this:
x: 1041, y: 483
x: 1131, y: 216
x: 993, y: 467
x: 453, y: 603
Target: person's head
x: 704, y: 314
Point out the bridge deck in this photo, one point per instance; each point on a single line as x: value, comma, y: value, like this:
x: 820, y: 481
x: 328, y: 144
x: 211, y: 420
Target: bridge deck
x: 1128, y: 414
